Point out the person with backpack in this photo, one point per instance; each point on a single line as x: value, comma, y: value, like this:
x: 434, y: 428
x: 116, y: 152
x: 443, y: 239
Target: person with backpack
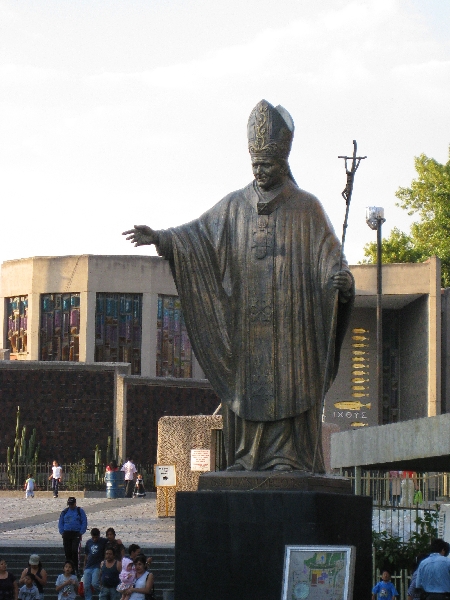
x: 72, y: 525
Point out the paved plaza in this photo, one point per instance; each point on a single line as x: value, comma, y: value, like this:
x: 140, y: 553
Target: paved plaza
x: 36, y: 520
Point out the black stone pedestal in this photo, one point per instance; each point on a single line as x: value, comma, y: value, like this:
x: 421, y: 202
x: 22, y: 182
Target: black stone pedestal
x: 229, y: 545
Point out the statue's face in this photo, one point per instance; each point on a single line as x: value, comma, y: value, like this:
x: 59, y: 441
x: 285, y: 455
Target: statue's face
x: 268, y: 172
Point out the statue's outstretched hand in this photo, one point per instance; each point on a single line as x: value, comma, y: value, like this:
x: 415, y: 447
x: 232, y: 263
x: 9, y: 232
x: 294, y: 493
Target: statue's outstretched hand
x: 142, y: 235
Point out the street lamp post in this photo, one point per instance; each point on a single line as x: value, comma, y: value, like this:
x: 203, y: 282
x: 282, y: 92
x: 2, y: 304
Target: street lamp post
x: 375, y: 219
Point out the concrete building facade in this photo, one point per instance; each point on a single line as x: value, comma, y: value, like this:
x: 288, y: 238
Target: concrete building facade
x: 92, y: 309
x: 415, y: 316
x: 32, y: 288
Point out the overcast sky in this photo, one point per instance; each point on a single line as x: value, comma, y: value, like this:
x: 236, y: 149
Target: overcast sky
x: 122, y: 112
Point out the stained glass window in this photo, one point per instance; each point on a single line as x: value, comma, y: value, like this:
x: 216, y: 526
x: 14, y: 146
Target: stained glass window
x: 118, y: 329
x: 17, y: 315
x: 60, y: 327
x: 173, y: 350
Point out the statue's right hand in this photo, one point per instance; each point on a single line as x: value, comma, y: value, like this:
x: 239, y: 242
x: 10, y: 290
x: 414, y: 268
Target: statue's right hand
x: 141, y: 235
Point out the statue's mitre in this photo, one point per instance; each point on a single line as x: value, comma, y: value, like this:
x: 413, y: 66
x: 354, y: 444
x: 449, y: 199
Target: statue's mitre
x: 270, y: 131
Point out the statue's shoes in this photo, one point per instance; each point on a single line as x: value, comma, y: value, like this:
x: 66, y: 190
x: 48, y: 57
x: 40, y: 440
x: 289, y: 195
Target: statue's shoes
x: 282, y: 468
x: 236, y: 467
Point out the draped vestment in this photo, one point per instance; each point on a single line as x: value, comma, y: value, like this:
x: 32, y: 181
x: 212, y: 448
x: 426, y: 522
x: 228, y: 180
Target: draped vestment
x: 253, y: 275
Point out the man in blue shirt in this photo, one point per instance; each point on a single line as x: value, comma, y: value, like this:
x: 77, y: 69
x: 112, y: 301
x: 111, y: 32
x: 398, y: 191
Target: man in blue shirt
x: 94, y: 553
x: 433, y: 574
x: 72, y: 524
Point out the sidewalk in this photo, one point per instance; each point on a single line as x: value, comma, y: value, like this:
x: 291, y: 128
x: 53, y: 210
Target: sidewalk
x: 36, y: 520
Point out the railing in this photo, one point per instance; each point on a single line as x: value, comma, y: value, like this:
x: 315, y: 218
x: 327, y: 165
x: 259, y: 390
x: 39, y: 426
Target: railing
x: 76, y: 476
x: 399, y: 522
x: 433, y: 487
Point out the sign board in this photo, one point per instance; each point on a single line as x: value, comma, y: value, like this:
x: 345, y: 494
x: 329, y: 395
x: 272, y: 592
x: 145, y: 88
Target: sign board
x: 318, y: 573
x: 200, y: 459
x: 165, y: 476
x: 444, y: 522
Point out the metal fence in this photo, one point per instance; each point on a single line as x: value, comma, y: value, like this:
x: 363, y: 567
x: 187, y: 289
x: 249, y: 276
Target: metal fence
x: 399, y: 522
x: 76, y: 476
x: 433, y: 487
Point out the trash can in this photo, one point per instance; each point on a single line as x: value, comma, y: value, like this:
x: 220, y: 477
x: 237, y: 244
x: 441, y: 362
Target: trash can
x: 115, y: 484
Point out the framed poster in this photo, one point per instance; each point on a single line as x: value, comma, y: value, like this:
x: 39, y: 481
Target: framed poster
x: 318, y: 573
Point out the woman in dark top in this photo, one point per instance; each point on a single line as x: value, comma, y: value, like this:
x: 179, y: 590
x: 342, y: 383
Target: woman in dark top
x: 109, y: 576
x: 40, y: 575
x: 9, y: 590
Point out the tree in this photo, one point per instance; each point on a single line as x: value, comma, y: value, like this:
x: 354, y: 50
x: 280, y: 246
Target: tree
x: 429, y: 199
x: 397, y: 248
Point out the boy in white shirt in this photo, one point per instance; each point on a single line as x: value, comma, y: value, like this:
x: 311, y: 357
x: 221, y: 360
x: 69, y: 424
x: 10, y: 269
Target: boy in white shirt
x: 56, y: 477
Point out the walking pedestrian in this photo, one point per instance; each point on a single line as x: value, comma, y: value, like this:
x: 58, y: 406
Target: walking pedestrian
x: 9, y: 590
x: 56, y: 477
x: 94, y: 553
x: 414, y: 592
x: 29, y: 486
x: 29, y: 590
x: 130, y: 471
x: 67, y: 582
x: 143, y: 586
x: 109, y: 575
x: 117, y: 547
x: 72, y: 525
x: 39, y: 573
x: 433, y: 573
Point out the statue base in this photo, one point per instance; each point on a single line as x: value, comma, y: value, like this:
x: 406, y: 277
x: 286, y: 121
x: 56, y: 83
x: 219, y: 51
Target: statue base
x: 231, y: 544
x: 273, y: 480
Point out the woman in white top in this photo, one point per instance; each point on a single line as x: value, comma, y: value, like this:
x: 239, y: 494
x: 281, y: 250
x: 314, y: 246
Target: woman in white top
x: 144, y: 580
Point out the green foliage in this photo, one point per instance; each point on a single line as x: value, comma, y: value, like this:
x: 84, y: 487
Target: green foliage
x: 397, y: 248
x: 24, y: 455
x: 428, y: 198
x: 393, y: 554
x: 112, y: 453
x: 76, y: 476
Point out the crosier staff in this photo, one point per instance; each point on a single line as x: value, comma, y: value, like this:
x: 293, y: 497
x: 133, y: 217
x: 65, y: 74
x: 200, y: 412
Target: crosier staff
x: 347, y: 195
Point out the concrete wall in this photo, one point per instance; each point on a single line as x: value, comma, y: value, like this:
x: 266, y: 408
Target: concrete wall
x: 398, y: 279
x: 69, y: 404
x: 149, y: 399
x: 177, y: 436
x: 445, y: 350
x: 418, y: 445
x: 75, y: 406
x: 414, y: 352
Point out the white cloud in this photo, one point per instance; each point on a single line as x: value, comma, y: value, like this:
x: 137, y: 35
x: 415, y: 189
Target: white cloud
x: 105, y: 129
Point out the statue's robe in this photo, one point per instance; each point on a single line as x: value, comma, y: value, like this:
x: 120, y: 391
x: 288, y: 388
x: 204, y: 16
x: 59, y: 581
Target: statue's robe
x: 254, y: 277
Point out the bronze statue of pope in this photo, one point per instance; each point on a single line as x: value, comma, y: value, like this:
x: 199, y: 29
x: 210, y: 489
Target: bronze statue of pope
x: 257, y: 276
